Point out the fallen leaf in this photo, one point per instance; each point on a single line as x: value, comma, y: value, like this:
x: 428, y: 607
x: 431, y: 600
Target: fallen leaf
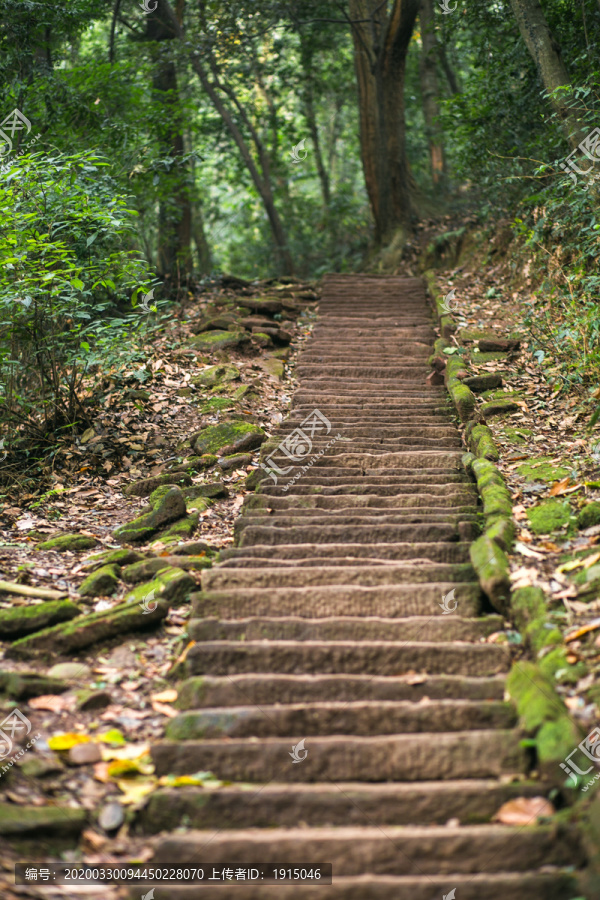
x: 164, y: 709
x: 523, y: 811
x: 67, y: 740
x: 559, y: 487
x: 50, y: 702
x: 168, y: 696
x: 135, y: 789
x: 592, y: 626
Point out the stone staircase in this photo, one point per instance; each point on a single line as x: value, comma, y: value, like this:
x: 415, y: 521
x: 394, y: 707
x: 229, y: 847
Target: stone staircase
x: 324, y: 625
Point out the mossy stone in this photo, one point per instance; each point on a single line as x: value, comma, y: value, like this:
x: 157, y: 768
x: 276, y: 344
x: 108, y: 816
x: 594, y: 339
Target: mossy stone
x: 147, y: 486
x: 498, y: 408
x: 541, y: 469
x: 217, y: 403
x: 183, y: 528
x: 197, y: 504
x: 168, y: 509
x: 122, y: 557
x: 548, y: 516
x: 274, y: 367
x: 589, y: 515
x: 481, y: 441
x: 516, y: 435
x: 213, y: 490
x: 23, y: 685
x: 171, y: 585
x: 556, y: 740
x: 101, y: 583
x: 16, y: 819
x: 239, y: 435
x: 65, y: 542
x: 142, y: 571
x: 22, y: 620
x: 492, y: 567
x: 534, y: 695
x: 210, y: 341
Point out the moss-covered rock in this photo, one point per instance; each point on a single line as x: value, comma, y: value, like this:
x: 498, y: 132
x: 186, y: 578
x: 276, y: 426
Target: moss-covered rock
x: 212, y: 490
x: 274, y: 366
x: 481, y: 442
x: 495, y: 495
x: 216, y: 404
x: 21, y: 620
x: 262, y: 339
x: 498, y: 408
x: 169, y: 508
x: 23, y: 685
x: 238, y: 435
x: 183, y: 528
x: 502, y: 531
x: 485, y: 382
x: 18, y: 820
x: 541, y: 469
x: 462, y: 397
x: 122, y: 557
x: 170, y: 585
x: 144, y: 570
x: 146, y: 486
x: 216, y: 375
x: 516, y: 435
x: 492, y: 567
x: 81, y: 632
x: 551, y: 515
x: 534, y: 695
x: 101, y: 583
x: 197, y: 504
x: 210, y: 341
x: 235, y: 461
x: 589, y: 515
x: 65, y: 542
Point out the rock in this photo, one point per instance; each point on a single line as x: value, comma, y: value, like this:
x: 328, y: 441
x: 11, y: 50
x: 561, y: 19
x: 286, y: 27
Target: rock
x: 498, y: 408
x: 261, y: 304
x: 273, y: 366
x: 121, y: 557
x: 498, y: 345
x: 138, y: 395
x: 549, y: 516
x: 111, y: 816
x: 23, y: 685
x: 171, y: 585
x: 434, y: 378
x: 228, y: 434
x: 84, y: 754
x: 254, y: 478
x: 91, y: 700
x: 16, y: 819
x: 262, y: 339
x: 194, y: 548
x: 481, y: 441
x: 85, y: 630
x: 63, y: 542
x: 101, y: 583
x: 197, y: 505
x: 70, y: 671
x: 40, y: 766
x: 23, y: 620
x: 217, y: 340
x: 145, y: 487
x: 183, y: 528
x: 242, y: 391
x: 170, y: 508
x: 215, y: 375
x: 212, y: 490
x: 221, y: 322
x: 479, y: 383
x: 142, y: 571
x: 237, y: 461
x: 217, y: 403
x: 589, y: 515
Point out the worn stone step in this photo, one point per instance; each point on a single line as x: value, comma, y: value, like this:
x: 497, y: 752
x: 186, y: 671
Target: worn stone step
x: 410, y: 757
x: 344, y: 628
x: 231, y: 690
x: 347, y: 804
x: 433, y: 551
x: 360, y: 717
x: 400, y: 850
x: 377, y: 432
x: 389, y: 574
x: 340, y: 514
x: 350, y: 518
x: 450, y: 499
x: 332, y: 534
x: 496, y: 886
x: 386, y: 600
x: 342, y: 373
x: 329, y: 467
x: 328, y: 657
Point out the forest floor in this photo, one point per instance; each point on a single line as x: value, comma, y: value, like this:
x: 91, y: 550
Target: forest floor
x: 120, y: 696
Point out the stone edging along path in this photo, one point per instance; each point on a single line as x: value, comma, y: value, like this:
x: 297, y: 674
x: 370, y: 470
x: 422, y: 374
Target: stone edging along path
x: 321, y: 636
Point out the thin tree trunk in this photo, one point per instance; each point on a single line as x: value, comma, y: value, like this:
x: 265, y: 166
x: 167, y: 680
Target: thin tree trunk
x: 448, y: 70
x: 215, y: 91
x: 430, y: 93
x: 380, y: 46
x: 545, y: 52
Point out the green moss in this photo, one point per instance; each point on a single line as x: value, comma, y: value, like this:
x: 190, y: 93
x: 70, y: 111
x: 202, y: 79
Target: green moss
x: 516, y: 435
x: 121, y: 557
x: 491, y: 564
x: 183, y: 528
x: 528, y: 603
x: 23, y: 620
x: 548, y: 516
x: 556, y: 739
x: 554, y: 665
x: 481, y: 442
x: 541, y: 469
x: 498, y: 408
x: 534, y: 695
x: 215, y: 375
x: 589, y: 515
x: 197, y: 504
x: 217, y: 403
x: 217, y: 340
x: 171, y: 584
x: 501, y: 531
x: 480, y: 358
x: 464, y: 400
x: 501, y: 394
x: 64, y: 542
x: 101, y: 583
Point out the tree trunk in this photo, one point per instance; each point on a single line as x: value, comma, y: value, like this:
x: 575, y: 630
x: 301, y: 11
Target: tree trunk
x: 217, y: 91
x: 545, y: 52
x: 430, y: 93
x: 448, y: 70
x: 380, y: 46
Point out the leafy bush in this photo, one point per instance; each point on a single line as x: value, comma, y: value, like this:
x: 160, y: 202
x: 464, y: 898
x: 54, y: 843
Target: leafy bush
x: 67, y: 267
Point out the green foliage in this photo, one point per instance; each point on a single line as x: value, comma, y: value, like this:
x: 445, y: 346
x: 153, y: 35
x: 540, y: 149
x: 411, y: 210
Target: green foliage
x: 67, y: 265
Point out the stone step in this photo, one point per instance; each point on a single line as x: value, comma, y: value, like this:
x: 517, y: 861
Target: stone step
x: 394, y: 486
x: 341, y: 373
x: 441, y: 756
x: 389, y: 574
x: 340, y: 514
x: 231, y: 690
x: 329, y: 657
x: 349, y: 518
x: 348, y: 804
x: 400, y: 850
x: 434, y: 551
x: 337, y: 628
x: 376, y: 432
x: 450, y: 499
x: 311, y: 602
x: 496, y: 886
x: 359, y: 534
x: 360, y: 717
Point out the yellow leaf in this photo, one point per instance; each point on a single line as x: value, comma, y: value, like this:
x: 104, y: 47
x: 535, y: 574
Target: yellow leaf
x: 170, y: 695
x: 128, y: 768
x: 135, y: 790
x: 131, y: 751
x: 67, y: 740
x: 114, y: 736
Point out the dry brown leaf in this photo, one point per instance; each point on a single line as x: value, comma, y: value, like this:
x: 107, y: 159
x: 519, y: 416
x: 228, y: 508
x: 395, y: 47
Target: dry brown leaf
x: 523, y: 811
x: 168, y: 696
x: 164, y: 710
x: 50, y: 702
x: 592, y: 626
x: 559, y: 487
